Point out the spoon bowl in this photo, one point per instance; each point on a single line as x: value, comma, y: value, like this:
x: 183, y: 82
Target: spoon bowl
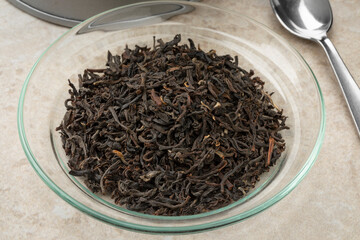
x: 307, y: 18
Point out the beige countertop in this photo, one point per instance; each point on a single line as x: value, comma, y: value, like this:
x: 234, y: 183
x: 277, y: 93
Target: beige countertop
x: 326, y: 204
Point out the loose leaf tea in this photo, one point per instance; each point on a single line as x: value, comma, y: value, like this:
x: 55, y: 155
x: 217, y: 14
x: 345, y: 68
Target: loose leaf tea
x: 171, y: 130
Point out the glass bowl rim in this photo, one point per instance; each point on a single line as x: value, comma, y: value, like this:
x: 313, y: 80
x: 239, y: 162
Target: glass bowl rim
x: 188, y: 229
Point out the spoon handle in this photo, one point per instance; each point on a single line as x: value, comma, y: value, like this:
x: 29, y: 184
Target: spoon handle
x: 347, y: 83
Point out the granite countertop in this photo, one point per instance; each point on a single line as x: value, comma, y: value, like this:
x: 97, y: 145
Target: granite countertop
x: 326, y: 204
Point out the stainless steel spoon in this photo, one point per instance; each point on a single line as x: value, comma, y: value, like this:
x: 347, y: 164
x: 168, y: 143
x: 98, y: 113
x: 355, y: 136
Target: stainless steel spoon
x: 312, y: 19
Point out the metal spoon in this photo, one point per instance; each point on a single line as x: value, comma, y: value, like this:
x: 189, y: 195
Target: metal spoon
x: 312, y: 19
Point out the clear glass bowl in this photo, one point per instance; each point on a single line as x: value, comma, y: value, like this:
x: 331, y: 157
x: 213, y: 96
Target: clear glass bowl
x: 41, y: 105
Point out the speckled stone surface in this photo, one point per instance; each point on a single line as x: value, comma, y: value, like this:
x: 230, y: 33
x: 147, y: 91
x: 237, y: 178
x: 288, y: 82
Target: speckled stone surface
x: 326, y: 205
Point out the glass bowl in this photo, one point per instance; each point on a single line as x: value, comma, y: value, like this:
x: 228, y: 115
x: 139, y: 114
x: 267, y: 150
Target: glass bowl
x: 41, y: 106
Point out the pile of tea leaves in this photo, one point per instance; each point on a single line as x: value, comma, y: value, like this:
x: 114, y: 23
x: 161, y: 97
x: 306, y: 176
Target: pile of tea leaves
x: 171, y: 130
